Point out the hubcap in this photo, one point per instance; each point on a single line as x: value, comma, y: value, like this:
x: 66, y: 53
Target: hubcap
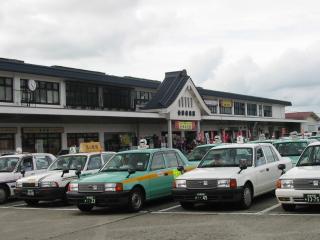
x: 136, y: 200
x: 247, y: 196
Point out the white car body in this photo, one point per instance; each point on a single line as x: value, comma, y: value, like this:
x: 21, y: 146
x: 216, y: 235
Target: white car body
x: 262, y: 178
x: 8, y: 179
x: 28, y: 187
x: 305, y: 181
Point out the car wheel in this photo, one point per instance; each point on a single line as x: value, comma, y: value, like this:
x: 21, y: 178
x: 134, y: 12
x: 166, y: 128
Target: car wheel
x: 31, y: 202
x: 288, y: 207
x: 3, y: 195
x: 85, y: 207
x: 187, y: 205
x: 246, y: 197
x: 136, y: 199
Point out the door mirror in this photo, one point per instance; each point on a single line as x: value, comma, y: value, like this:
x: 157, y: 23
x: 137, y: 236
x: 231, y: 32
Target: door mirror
x: 64, y: 171
x: 282, y: 167
x: 131, y: 170
x: 78, y: 173
x: 23, y: 171
x: 180, y: 168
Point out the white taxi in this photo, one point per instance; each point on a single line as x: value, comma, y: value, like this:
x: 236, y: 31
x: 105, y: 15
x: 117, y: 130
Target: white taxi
x: 231, y: 173
x: 13, y: 167
x: 53, y: 184
x: 301, y: 185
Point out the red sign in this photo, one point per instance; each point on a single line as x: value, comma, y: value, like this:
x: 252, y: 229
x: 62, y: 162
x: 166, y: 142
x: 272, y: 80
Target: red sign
x: 191, y: 126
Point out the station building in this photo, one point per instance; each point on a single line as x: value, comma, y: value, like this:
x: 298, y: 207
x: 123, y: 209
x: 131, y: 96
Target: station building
x: 49, y: 108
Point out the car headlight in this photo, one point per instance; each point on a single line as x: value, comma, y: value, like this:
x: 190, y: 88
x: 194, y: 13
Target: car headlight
x: 180, y: 183
x: 113, y: 187
x: 18, y: 184
x: 287, y: 183
x: 48, y: 184
x: 227, y: 183
x: 73, y: 187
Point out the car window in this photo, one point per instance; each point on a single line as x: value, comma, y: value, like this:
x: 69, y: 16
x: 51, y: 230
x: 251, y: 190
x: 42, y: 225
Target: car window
x: 42, y: 162
x: 94, y: 162
x: 180, y: 161
x: 106, y: 157
x: 260, y: 158
x: 171, y: 159
x: 157, y: 162
x: 268, y: 154
x: 275, y: 155
x: 310, y: 157
x: 27, y: 164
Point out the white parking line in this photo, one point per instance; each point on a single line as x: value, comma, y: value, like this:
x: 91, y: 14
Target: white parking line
x: 169, y: 208
x: 206, y: 213
x: 269, y: 209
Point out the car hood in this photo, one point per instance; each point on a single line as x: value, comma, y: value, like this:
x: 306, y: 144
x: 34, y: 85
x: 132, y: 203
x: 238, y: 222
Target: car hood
x: 302, y: 172
x: 103, y: 177
x: 207, y: 173
x: 49, y: 176
x: 7, y: 177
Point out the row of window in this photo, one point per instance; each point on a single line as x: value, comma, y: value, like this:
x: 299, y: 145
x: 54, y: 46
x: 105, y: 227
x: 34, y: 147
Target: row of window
x: 185, y: 102
x: 240, y: 109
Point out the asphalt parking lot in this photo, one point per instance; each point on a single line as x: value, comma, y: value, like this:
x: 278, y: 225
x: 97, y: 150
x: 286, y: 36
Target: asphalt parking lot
x: 162, y: 219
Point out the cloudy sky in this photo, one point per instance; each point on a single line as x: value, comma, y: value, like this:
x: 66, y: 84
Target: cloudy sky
x: 267, y: 48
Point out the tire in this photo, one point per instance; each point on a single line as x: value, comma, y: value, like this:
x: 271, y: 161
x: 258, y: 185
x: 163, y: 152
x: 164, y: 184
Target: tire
x: 136, y: 200
x: 85, y: 207
x: 3, y: 195
x: 187, y: 205
x: 288, y: 207
x: 31, y: 202
x: 246, y: 197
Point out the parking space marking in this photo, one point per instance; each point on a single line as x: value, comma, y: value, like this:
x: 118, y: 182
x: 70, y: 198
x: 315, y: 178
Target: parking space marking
x: 169, y: 208
x: 269, y: 209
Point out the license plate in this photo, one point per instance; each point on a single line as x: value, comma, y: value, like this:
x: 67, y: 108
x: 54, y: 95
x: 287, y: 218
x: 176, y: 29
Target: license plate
x: 201, y: 197
x: 312, y: 198
x: 30, y: 192
x: 90, y: 200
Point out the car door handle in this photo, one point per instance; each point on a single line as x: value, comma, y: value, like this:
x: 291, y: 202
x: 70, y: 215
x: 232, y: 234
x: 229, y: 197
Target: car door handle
x: 267, y: 169
x: 166, y: 174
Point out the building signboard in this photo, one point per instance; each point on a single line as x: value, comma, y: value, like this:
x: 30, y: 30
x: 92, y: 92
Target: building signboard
x: 183, y: 125
x: 226, y: 103
x: 8, y: 130
x: 44, y: 130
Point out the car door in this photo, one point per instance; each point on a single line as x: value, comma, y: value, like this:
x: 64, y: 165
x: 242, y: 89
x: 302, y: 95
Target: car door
x: 27, y: 164
x: 173, y: 160
x: 159, y: 180
x: 272, y: 165
x: 261, y: 171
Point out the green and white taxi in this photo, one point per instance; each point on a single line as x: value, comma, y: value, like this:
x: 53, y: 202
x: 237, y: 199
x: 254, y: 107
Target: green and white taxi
x: 301, y: 185
x: 292, y: 148
x: 129, y: 179
x: 53, y: 184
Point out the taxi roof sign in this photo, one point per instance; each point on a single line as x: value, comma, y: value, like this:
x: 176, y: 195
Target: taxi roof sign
x: 90, y: 147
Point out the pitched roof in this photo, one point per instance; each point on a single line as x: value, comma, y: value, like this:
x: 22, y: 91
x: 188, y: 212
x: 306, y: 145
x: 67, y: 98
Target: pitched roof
x: 163, y: 98
x: 302, y: 115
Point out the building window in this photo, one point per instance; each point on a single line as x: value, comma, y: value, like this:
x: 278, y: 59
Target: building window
x: 260, y: 110
x: 45, y: 93
x: 74, y: 139
x: 116, y: 98
x: 239, y: 108
x: 252, y: 109
x: 213, y: 108
x: 143, y: 97
x: 6, y: 89
x: 191, y: 102
x: 267, y: 111
x: 225, y: 107
x: 7, y: 142
x: 82, y: 95
x: 41, y: 142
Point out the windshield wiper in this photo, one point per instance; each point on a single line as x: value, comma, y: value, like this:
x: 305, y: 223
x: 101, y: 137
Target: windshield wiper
x: 57, y: 169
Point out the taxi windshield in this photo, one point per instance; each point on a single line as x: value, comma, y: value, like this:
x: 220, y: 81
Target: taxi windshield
x: 226, y: 157
x: 8, y: 164
x: 198, y: 153
x: 69, y: 162
x: 291, y: 148
x: 310, y: 157
x: 125, y: 161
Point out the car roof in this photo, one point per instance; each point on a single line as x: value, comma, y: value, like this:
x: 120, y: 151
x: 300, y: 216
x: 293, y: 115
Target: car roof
x: 294, y: 140
x: 148, y: 150
x: 242, y: 145
x: 317, y: 143
x: 208, y: 145
x: 26, y: 154
x: 81, y: 154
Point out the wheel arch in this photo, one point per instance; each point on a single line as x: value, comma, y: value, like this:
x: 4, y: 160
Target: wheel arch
x: 139, y: 186
x: 250, y: 184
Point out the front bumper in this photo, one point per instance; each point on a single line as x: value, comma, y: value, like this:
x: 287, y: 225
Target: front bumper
x: 293, y: 196
x: 211, y: 195
x: 45, y: 194
x: 101, y: 199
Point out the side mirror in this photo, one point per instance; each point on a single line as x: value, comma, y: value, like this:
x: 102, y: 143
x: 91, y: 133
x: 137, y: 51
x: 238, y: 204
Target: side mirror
x: 281, y: 167
x: 243, y: 164
x: 23, y: 172
x: 64, y: 171
x: 180, y: 168
x: 131, y: 171
x: 78, y: 173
